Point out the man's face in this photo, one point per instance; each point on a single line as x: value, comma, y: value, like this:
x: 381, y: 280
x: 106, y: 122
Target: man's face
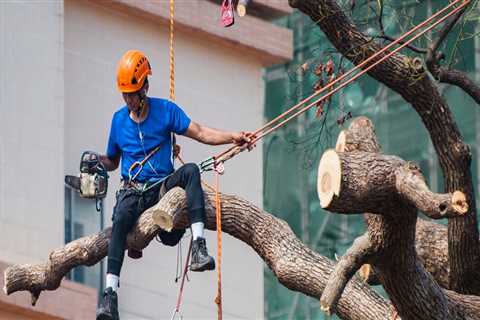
x: 134, y: 99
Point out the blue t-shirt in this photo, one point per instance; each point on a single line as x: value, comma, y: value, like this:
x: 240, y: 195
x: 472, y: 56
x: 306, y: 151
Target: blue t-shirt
x: 133, y: 141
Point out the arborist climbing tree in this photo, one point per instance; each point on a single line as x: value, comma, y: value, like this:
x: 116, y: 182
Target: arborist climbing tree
x: 140, y: 136
x: 354, y: 178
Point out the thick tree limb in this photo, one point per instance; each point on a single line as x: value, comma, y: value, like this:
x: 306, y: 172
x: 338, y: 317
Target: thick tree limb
x: 295, y: 265
x: 431, y: 238
x: 453, y: 154
x: 391, y: 231
x: 357, y: 182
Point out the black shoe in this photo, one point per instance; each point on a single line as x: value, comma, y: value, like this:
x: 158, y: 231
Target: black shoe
x: 201, y: 261
x: 108, y: 310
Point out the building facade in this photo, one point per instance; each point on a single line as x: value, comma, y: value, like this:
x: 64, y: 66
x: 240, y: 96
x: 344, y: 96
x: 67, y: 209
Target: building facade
x: 57, y: 96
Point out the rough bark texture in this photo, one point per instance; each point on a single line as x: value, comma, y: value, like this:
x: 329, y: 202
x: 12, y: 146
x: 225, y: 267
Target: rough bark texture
x: 370, y: 181
x: 431, y: 238
x: 295, y: 265
x: 399, y: 74
x: 389, y: 244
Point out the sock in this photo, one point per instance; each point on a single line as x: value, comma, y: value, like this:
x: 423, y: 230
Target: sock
x: 112, y: 281
x: 197, y: 230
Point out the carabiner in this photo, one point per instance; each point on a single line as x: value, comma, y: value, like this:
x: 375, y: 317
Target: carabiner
x: 132, y: 167
x: 174, y: 315
x: 207, y: 165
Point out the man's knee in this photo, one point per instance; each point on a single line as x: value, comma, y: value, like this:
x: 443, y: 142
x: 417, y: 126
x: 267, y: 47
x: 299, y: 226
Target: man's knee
x: 122, y: 219
x: 191, y: 170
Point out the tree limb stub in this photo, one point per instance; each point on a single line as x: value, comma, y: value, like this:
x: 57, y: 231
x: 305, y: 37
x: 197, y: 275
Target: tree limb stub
x: 431, y: 238
x: 357, y: 182
x: 295, y: 265
x: 391, y: 230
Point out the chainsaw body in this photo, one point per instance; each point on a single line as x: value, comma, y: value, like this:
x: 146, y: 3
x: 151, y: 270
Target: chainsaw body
x: 92, y: 183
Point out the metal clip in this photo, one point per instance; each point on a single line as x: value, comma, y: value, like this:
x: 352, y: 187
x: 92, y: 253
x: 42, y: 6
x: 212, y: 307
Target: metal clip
x: 219, y: 167
x: 207, y: 165
x: 175, y: 313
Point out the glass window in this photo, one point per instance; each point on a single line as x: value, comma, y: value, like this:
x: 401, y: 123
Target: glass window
x: 82, y: 219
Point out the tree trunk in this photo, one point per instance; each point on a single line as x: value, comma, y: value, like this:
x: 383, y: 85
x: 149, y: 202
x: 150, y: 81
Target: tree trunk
x: 392, y: 190
x: 399, y: 74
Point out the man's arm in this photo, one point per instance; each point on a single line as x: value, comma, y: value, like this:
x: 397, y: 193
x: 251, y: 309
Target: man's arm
x: 214, y: 136
x: 110, y: 164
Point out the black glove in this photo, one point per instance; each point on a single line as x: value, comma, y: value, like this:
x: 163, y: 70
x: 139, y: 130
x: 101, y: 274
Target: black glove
x: 171, y: 238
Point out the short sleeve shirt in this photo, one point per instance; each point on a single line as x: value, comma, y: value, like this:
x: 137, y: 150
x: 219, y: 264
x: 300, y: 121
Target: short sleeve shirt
x: 134, y: 141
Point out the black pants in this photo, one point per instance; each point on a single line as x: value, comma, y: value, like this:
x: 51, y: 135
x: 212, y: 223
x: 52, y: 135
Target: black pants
x: 131, y: 203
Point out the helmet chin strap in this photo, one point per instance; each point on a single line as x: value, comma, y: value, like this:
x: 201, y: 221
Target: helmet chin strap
x: 142, y: 103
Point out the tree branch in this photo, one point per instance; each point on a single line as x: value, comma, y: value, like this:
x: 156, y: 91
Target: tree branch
x: 453, y: 154
x: 295, y: 265
x: 390, y: 237
x: 354, y: 258
x: 445, y: 75
x: 357, y: 182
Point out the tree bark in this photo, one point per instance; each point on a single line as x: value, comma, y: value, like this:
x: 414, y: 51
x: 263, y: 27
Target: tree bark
x: 383, y: 185
x: 454, y: 155
x: 295, y: 265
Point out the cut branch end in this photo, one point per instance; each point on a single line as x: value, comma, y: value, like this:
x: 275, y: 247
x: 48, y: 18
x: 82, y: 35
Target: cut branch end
x: 325, y: 309
x: 459, y: 202
x: 162, y: 219
x: 329, y: 177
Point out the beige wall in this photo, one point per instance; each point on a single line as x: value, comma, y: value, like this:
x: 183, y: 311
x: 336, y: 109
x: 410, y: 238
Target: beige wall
x: 31, y: 129
x: 216, y: 86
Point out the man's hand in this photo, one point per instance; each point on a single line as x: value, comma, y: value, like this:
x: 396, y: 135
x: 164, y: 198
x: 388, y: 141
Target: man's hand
x: 242, y: 137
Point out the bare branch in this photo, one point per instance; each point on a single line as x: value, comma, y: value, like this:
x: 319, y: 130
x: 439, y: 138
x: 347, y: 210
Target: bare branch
x: 354, y: 258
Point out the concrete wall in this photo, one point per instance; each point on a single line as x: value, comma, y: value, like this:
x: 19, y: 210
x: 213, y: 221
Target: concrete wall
x: 216, y: 86
x: 31, y: 129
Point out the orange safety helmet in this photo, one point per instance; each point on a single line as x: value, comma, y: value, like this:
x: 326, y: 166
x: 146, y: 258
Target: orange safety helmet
x: 132, y: 71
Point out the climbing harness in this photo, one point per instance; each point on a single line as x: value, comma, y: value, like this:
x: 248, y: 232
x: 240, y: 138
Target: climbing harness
x: 137, y: 167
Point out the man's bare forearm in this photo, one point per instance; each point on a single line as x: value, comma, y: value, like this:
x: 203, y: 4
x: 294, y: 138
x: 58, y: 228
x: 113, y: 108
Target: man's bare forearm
x: 216, y: 137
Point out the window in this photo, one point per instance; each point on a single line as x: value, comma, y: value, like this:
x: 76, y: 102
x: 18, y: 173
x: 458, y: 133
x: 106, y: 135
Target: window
x: 82, y: 219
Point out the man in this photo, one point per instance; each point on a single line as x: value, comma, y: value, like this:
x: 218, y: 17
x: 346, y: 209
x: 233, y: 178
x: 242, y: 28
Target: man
x: 142, y: 130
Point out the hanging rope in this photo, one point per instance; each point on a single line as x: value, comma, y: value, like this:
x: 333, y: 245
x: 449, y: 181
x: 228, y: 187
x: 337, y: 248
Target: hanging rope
x: 176, y: 154
x: 172, y: 57
x: 180, y: 293
x: 277, y: 122
x: 218, y: 216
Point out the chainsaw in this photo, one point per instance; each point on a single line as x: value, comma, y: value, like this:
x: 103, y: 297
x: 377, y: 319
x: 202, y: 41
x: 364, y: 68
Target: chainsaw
x: 92, y: 183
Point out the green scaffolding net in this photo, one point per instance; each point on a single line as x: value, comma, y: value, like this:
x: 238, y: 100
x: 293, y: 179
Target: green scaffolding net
x: 291, y: 154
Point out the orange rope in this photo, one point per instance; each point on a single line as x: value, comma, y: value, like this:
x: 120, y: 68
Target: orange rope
x: 218, y: 215
x: 172, y: 59
x: 270, y: 126
x: 218, y: 299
